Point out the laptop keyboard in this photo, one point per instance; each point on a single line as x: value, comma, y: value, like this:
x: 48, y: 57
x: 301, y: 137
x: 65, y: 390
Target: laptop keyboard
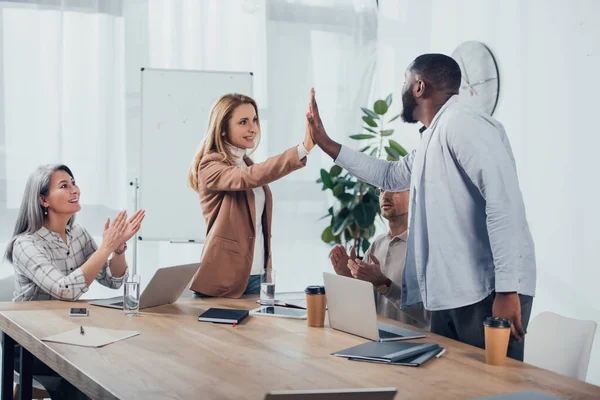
x: 387, y: 335
x: 118, y: 304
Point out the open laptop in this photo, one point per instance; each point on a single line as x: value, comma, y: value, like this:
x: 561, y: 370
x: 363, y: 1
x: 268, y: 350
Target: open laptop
x: 165, y: 287
x: 351, y: 308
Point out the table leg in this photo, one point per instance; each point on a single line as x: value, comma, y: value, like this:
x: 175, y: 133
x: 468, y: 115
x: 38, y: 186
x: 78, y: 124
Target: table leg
x: 8, y: 366
x: 26, y: 375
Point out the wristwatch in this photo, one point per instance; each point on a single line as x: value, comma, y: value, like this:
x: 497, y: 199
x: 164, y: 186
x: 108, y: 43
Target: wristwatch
x: 383, y: 289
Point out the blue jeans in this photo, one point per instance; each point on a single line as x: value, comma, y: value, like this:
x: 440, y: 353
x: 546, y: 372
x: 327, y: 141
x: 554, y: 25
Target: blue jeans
x: 253, y: 287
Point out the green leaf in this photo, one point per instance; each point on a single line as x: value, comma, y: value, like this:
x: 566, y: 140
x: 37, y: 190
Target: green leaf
x: 346, y: 198
x: 380, y: 107
x: 387, y: 132
x: 348, y: 235
x: 374, y: 151
x: 370, y: 121
x: 319, y: 180
x: 339, y: 224
x: 369, y: 129
x: 363, y: 215
x: 324, y: 216
x: 348, y: 183
x: 327, y: 235
x: 362, y: 136
x: 338, y: 190
x: 327, y: 182
x: 393, y: 153
x: 365, y: 148
x: 399, y: 149
x: 335, y: 171
x: 395, y: 118
x: 365, y: 245
x: 388, y: 100
x: 370, y: 113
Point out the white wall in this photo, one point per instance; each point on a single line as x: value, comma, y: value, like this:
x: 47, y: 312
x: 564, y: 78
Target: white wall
x: 548, y: 55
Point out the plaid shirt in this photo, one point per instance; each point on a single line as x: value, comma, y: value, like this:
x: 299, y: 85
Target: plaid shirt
x: 47, y: 268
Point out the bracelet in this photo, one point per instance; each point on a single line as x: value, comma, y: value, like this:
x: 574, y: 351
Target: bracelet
x: 119, y: 252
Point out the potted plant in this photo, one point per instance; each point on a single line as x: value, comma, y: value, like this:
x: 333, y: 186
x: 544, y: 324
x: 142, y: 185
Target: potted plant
x: 352, y: 217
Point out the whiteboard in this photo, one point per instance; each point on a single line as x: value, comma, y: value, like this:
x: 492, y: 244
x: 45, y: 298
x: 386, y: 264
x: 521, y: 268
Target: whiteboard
x: 174, y: 118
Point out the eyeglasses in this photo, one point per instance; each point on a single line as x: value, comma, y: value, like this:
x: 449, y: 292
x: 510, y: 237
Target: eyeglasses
x: 379, y: 191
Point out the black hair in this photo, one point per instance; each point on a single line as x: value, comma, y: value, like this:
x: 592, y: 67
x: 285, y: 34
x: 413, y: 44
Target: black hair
x: 439, y: 70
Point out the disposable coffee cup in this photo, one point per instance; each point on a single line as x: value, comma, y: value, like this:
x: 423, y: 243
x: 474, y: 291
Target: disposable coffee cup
x: 497, y: 334
x: 315, y: 306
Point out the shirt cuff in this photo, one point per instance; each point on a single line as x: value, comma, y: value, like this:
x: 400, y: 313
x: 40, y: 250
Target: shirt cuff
x: 110, y: 276
x: 302, y: 152
x: 507, y: 283
x: 75, y: 282
x: 344, y: 156
x: 394, y: 294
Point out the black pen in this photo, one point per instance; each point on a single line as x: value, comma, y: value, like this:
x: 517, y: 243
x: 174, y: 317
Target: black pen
x: 81, y: 331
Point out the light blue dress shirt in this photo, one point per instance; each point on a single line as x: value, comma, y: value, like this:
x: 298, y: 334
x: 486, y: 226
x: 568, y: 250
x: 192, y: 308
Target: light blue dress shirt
x: 468, y: 233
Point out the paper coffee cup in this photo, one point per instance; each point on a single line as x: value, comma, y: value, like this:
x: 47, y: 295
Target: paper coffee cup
x: 315, y: 306
x: 497, y: 334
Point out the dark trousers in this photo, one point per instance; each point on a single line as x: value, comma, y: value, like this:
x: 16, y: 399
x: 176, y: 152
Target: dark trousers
x: 57, y: 387
x: 465, y: 324
x: 253, y: 287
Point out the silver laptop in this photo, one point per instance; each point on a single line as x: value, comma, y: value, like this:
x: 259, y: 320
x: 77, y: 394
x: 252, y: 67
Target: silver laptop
x: 165, y: 287
x: 351, y: 308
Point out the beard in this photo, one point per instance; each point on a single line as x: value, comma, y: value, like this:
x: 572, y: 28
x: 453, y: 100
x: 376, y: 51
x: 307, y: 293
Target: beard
x: 409, y: 103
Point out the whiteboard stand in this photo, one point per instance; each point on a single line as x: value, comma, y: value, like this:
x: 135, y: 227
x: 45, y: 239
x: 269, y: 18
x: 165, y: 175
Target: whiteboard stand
x: 136, y: 187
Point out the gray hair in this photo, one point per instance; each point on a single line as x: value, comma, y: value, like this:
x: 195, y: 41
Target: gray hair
x: 31, y: 213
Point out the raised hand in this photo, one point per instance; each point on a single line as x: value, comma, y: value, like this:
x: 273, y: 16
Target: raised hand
x: 317, y: 130
x: 113, y: 232
x: 308, y: 140
x: 314, y: 119
x: 133, y: 225
x: 339, y: 259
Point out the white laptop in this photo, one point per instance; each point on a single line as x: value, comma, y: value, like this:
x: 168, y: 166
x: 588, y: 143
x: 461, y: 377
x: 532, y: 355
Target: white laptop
x: 351, y: 308
x: 165, y: 287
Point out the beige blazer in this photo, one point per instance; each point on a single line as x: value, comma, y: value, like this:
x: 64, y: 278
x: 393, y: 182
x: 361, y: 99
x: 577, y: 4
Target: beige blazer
x: 227, y: 202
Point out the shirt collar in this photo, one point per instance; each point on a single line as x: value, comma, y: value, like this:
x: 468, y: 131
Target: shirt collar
x: 47, y: 234
x: 403, y: 236
x: 437, y: 116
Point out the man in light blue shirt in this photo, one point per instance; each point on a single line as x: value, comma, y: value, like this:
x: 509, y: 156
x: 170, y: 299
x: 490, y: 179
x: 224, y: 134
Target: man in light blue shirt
x: 470, y: 254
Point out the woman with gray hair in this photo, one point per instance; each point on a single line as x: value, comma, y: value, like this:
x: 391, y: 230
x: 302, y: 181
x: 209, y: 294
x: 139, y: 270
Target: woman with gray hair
x: 53, y: 257
x: 56, y: 259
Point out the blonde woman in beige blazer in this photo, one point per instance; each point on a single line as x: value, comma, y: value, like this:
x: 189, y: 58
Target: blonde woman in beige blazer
x: 235, y: 198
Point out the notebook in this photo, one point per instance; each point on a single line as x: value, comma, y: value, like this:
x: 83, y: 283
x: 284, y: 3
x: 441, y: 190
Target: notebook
x: 412, y: 361
x: 89, y: 336
x: 386, y: 352
x: 223, y: 316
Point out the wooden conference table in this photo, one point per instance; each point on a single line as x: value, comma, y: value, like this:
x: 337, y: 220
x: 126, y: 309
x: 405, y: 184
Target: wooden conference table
x: 177, y: 357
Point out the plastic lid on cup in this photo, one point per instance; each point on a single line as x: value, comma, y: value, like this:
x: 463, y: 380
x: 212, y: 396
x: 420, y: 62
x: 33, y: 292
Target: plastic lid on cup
x: 495, y: 322
x: 315, y: 290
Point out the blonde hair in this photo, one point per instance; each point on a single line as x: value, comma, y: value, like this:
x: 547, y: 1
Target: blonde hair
x: 218, y: 124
